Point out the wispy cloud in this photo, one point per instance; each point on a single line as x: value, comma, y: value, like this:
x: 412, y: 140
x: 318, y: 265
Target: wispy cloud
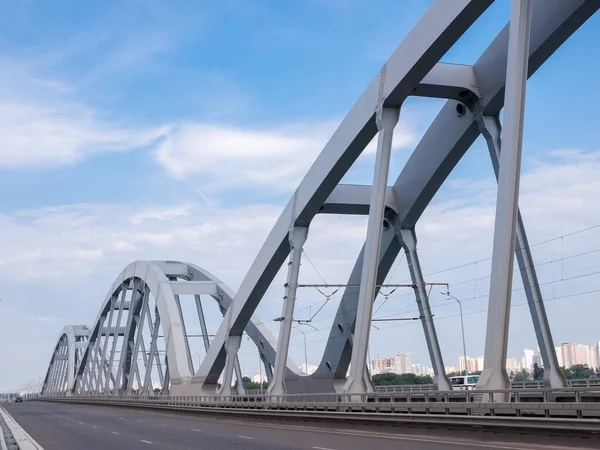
x: 226, y: 156
x: 42, y: 136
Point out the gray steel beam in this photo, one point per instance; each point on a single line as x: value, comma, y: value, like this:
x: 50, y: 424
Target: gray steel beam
x: 352, y: 199
x: 436, y: 155
x: 451, y: 135
x: 298, y: 236
x: 448, y: 81
x: 194, y: 288
x: 553, y: 376
x: 409, y: 242
x: 359, y: 380
x: 232, y: 347
x: 494, y: 375
x: 425, y: 44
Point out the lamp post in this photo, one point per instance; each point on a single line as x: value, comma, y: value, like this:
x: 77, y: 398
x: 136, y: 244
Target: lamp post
x: 462, y: 327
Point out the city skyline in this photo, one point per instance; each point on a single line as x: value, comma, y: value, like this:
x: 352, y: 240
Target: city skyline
x: 568, y: 354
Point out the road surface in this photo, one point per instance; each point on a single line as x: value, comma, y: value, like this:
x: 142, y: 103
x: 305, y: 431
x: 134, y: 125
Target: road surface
x: 60, y: 426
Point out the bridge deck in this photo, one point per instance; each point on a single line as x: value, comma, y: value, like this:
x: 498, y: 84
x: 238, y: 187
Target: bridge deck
x: 93, y: 427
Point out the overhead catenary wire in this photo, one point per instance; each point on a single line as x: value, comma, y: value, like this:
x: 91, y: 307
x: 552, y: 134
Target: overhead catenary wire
x: 476, y: 279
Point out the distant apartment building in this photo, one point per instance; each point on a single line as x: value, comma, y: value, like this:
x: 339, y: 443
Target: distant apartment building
x: 527, y: 360
x: 511, y: 364
x: 402, y: 363
x: 382, y: 365
x: 574, y: 354
x: 568, y: 353
x: 559, y: 356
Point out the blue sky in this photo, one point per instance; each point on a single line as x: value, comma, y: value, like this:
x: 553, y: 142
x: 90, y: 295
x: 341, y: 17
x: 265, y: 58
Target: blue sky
x: 144, y: 129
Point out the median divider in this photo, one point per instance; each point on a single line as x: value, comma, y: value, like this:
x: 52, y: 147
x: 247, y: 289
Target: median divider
x: 14, y: 437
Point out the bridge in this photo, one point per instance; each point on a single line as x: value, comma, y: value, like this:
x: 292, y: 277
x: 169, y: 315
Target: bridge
x: 136, y: 353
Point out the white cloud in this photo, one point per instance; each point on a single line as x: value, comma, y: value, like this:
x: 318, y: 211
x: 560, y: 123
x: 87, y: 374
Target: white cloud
x: 43, y: 126
x: 40, y: 136
x: 236, y: 156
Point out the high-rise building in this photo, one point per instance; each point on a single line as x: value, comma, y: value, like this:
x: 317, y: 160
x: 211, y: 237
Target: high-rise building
x: 462, y: 364
x: 528, y: 359
x: 472, y: 364
x: 568, y: 353
x: 559, y: 356
x: 382, y: 365
x: 511, y: 364
x: 479, y: 367
x: 402, y: 363
x: 451, y: 369
x: 594, y: 356
x: 582, y: 354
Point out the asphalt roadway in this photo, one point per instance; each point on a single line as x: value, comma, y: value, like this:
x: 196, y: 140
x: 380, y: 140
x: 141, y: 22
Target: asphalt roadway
x: 61, y: 426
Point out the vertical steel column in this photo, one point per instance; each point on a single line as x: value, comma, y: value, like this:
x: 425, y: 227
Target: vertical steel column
x: 148, y: 388
x: 553, y: 376
x: 202, y: 321
x: 268, y: 368
x: 494, y: 375
x: 231, y: 347
x: 359, y: 381
x: 409, y: 242
x: 297, y: 239
x: 113, y: 346
x: 241, y: 390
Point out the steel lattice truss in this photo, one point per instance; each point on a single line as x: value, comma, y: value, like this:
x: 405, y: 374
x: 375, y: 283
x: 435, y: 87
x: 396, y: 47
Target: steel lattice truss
x: 137, y: 344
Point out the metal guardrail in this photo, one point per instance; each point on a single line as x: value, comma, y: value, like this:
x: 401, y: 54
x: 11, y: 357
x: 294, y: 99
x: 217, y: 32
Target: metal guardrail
x: 537, y: 384
x: 573, y: 408
x: 13, y: 436
x: 542, y: 416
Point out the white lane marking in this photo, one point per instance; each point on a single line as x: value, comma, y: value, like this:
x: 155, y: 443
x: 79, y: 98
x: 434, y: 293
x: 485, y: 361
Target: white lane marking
x: 245, y: 437
x: 323, y: 448
x: 195, y: 429
x: 163, y: 425
x: 139, y: 421
x: 488, y: 445
x: 53, y: 414
x: 68, y: 419
x: 114, y: 432
x: 80, y: 423
x: 94, y: 426
x: 145, y: 442
x: 121, y: 418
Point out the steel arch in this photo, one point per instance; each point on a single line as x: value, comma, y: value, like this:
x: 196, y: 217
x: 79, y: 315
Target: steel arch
x: 440, y: 149
x: 139, y: 285
x: 413, y: 69
x: 65, y: 360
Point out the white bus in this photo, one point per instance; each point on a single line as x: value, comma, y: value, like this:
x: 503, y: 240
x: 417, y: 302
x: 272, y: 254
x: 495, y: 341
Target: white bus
x: 464, y: 383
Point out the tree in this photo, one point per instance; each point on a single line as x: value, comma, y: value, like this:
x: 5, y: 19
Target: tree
x: 581, y: 371
x: 520, y: 376
x: 394, y: 379
x: 538, y: 372
x: 251, y: 385
x: 578, y: 372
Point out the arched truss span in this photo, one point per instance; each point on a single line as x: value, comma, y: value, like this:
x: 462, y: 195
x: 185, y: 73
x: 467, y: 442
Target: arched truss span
x: 139, y: 344
x: 439, y: 151
x: 413, y: 69
x: 65, y: 360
